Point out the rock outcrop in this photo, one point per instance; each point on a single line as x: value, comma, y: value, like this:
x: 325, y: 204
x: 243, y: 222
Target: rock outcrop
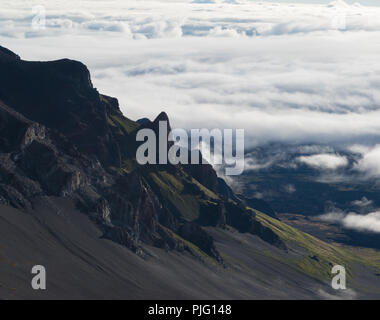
x: 60, y: 137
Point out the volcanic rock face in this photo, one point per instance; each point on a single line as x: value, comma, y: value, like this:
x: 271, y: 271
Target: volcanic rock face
x: 6, y: 54
x: 60, y: 137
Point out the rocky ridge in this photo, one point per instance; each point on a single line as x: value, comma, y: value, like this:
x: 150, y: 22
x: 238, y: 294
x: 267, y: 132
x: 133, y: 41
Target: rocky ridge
x: 60, y: 137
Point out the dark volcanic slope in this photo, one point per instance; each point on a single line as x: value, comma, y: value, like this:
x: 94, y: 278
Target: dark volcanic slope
x: 74, y: 199
x: 82, y: 265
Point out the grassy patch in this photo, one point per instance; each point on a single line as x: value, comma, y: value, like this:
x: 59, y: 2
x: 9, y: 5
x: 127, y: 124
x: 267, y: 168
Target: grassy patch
x: 205, y: 190
x: 316, y: 256
x: 195, y: 250
x: 171, y: 189
x: 126, y: 124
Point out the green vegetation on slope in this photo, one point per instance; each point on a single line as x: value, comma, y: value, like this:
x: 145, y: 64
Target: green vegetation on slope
x: 125, y: 123
x: 172, y: 189
x: 318, y: 256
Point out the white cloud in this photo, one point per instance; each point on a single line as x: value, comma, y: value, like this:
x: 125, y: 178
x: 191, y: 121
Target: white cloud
x: 367, y: 223
x: 280, y: 71
x: 324, y: 161
x: 252, y: 164
x: 363, y: 202
x: 313, y: 149
x: 369, y: 164
x: 289, y: 188
x: 221, y: 32
x: 359, y: 149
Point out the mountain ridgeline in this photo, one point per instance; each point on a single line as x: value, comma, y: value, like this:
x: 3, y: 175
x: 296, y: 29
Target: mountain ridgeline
x: 74, y: 199
x: 59, y: 137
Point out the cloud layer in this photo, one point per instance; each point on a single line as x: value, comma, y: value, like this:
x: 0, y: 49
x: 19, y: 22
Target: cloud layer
x: 369, y: 163
x: 324, y: 161
x: 366, y: 223
x: 285, y: 72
